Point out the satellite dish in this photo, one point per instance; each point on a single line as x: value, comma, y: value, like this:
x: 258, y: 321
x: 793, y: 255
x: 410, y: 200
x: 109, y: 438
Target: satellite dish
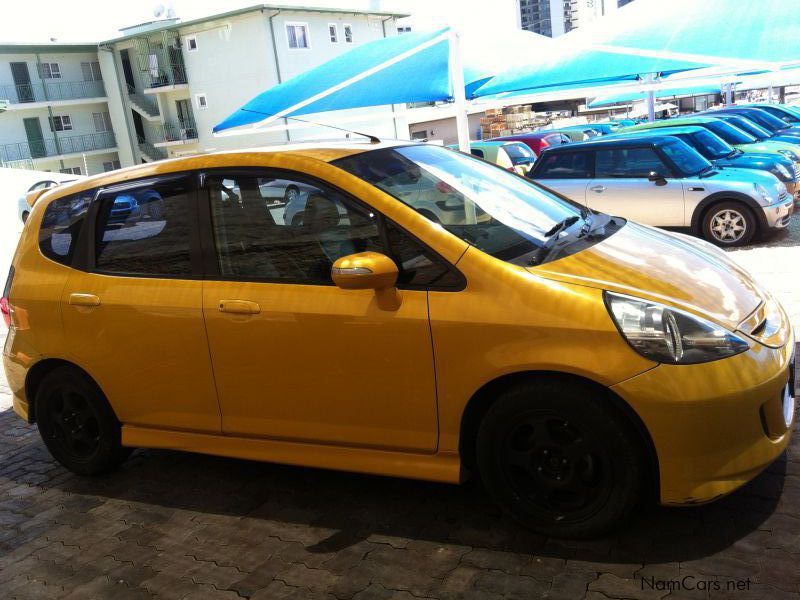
x: 158, y: 10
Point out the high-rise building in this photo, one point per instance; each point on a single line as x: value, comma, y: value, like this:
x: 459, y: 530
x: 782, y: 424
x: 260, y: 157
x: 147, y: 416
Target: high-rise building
x: 556, y: 17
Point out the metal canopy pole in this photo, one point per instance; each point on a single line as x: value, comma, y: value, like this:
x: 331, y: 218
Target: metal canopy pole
x: 729, y: 94
x: 651, y: 100
x: 459, y: 94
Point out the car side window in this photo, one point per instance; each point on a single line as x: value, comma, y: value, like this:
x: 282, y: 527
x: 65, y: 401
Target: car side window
x: 627, y: 163
x: 61, y: 225
x: 564, y: 165
x: 145, y: 230
x: 268, y: 228
x: 418, y: 266
x: 477, y: 152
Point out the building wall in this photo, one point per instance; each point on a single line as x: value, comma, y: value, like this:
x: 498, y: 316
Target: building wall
x: 444, y: 130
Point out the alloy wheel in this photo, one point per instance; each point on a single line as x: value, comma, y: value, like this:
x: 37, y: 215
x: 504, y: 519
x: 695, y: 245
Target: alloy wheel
x: 75, y: 427
x: 728, y: 226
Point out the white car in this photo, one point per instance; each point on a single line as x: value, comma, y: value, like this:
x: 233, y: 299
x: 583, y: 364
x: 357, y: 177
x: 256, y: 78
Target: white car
x: 48, y: 180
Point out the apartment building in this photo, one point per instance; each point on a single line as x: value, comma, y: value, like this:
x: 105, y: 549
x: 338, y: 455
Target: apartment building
x: 158, y: 89
x: 56, y: 115
x: 557, y: 17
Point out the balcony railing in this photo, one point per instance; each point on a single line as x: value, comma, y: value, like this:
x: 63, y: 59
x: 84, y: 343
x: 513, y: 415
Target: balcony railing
x: 57, y: 146
x: 52, y: 91
x: 149, y: 150
x: 143, y: 101
x: 184, y: 130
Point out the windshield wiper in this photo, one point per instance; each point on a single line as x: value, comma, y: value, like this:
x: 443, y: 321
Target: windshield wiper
x: 707, y: 171
x: 552, y: 239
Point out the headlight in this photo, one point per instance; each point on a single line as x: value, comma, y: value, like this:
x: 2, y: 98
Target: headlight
x: 783, y: 171
x: 668, y: 335
x: 789, y: 154
x: 763, y: 193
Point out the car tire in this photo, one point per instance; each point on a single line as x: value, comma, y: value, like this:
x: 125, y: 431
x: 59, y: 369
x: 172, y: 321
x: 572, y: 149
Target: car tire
x: 559, y: 458
x: 721, y: 220
x: 77, y: 424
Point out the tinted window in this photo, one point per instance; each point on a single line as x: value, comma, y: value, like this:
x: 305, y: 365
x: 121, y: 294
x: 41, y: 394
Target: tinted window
x: 729, y: 133
x: 477, y: 152
x: 520, y: 154
x: 418, y: 266
x: 713, y: 145
x: 61, y: 223
x: 145, y: 230
x: 564, y: 165
x: 688, y: 160
x: 627, y: 162
x: 257, y: 238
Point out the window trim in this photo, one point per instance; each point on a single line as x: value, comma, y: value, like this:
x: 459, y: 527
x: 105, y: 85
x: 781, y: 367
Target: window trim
x: 211, y: 259
x: 288, y: 24
x: 345, y: 27
x: 189, y: 48
x: 197, y: 97
x: 61, y: 118
x: 84, y: 257
x: 333, y: 33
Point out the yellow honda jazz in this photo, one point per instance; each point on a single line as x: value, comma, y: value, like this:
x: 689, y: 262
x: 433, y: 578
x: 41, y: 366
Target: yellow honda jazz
x: 399, y: 309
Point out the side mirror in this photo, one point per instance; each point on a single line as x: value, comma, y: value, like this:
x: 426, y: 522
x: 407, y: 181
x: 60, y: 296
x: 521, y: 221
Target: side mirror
x: 657, y: 178
x: 369, y: 271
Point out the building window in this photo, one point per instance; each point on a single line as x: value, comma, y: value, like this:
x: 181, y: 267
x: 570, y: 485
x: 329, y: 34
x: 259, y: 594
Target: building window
x: 91, y: 71
x: 191, y: 44
x: 110, y: 165
x: 333, y: 32
x: 297, y: 35
x: 70, y: 171
x: 348, y: 34
x: 406, y: 29
x: 49, y: 71
x: 60, y: 123
x: 102, y: 122
x: 419, y: 135
x: 201, y: 100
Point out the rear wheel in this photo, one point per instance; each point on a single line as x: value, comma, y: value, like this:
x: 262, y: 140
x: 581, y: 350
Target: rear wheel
x: 729, y: 224
x: 559, y: 459
x: 77, y: 424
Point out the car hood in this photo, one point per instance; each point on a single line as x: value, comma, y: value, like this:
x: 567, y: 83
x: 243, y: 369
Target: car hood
x: 749, y: 161
x: 767, y: 147
x: 670, y: 268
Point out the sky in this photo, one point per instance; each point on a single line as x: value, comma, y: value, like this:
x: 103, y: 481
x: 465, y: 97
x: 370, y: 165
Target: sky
x: 93, y: 20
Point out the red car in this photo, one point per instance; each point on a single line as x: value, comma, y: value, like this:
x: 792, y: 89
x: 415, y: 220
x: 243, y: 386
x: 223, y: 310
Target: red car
x: 537, y: 140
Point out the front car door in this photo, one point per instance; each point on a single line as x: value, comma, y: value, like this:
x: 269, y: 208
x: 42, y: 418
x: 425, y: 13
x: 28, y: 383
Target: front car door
x: 621, y: 186
x: 295, y: 357
x: 566, y: 172
x: 132, y: 309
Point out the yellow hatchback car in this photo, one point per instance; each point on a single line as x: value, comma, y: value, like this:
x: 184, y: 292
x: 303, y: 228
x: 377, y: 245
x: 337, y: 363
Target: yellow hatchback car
x: 406, y: 310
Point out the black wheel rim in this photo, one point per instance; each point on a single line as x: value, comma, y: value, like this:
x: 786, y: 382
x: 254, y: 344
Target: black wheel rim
x: 74, y: 426
x: 560, y: 473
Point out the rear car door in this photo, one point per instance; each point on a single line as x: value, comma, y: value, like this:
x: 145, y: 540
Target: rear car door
x: 132, y: 309
x: 621, y: 186
x: 565, y: 172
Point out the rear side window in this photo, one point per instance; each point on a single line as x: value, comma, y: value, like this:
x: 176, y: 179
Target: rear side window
x: 145, y: 230
x: 564, y: 165
x: 627, y: 163
x: 477, y: 152
x: 61, y: 225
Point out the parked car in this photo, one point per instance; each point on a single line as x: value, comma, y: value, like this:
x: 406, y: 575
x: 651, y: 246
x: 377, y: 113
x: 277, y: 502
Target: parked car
x: 660, y: 180
x: 722, y: 154
x: 731, y: 134
x: 512, y: 156
x: 54, y: 179
x: 537, y: 140
x: 578, y: 133
x: 574, y: 361
x: 779, y: 129
x: 787, y: 114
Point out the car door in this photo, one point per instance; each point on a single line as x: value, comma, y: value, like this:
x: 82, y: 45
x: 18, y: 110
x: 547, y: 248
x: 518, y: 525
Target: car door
x: 132, y: 309
x: 295, y: 357
x: 621, y: 186
x: 565, y: 172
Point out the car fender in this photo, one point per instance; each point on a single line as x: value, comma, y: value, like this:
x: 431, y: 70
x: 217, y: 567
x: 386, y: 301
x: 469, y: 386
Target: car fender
x: 758, y: 211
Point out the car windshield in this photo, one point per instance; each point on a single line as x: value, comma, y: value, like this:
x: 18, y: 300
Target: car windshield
x: 498, y: 212
x: 687, y: 159
x: 729, y: 133
x: 714, y: 146
x: 748, y: 126
x: 766, y: 120
x: 520, y: 154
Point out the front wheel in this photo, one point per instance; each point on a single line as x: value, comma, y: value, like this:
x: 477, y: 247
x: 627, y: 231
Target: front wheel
x: 729, y: 224
x: 559, y: 459
x: 77, y: 424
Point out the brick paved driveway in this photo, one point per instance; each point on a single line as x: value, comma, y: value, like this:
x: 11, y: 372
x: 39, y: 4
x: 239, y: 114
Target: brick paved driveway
x: 173, y: 525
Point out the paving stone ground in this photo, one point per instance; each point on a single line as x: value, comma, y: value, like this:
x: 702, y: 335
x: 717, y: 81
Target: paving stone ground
x: 181, y: 526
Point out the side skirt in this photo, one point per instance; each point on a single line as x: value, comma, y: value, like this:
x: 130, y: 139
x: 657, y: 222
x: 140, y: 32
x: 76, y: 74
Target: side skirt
x: 444, y: 467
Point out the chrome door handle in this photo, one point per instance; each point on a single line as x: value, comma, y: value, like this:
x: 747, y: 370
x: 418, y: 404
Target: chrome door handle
x: 598, y: 188
x: 239, y: 307
x: 84, y: 300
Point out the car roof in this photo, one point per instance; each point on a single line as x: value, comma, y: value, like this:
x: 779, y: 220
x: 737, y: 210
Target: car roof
x: 673, y: 130
x: 321, y: 151
x: 613, y: 141
x: 530, y: 135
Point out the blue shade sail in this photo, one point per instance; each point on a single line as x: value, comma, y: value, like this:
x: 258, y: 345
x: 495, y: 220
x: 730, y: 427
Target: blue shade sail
x: 633, y: 96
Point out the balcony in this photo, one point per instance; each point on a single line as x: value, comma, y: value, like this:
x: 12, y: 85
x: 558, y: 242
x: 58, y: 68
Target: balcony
x: 173, y: 134
x: 58, y: 147
x: 159, y: 60
x: 50, y: 92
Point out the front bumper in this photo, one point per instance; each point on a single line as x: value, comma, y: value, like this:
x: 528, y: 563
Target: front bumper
x: 714, y: 425
x: 779, y: 215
